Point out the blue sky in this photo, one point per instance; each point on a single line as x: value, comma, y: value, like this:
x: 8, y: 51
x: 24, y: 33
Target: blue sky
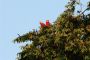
x: 21, y: 16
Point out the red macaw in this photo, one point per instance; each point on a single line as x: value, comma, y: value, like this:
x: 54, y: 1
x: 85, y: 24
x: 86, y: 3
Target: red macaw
x: 42, y: 24
x: 47, y: 23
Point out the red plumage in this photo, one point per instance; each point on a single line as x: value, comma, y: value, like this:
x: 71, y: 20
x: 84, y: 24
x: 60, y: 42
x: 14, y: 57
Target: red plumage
x: 47, y: 23
x: 42, y: 24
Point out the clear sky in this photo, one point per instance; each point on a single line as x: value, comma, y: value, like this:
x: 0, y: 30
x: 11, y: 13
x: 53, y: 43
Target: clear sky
x: 21, y: 16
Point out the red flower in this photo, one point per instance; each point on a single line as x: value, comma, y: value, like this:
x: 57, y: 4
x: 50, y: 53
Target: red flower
x: 47, y: 23
x: 42, y: 24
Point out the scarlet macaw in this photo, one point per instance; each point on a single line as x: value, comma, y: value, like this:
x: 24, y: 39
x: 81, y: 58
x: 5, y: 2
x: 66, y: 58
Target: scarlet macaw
x: 47, y: 23
x: 42, y: 24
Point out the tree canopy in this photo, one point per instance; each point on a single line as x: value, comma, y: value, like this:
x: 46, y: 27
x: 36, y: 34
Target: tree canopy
x: 68, y: 38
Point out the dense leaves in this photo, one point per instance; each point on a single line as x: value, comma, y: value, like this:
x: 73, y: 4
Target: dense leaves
x: 67, y: 39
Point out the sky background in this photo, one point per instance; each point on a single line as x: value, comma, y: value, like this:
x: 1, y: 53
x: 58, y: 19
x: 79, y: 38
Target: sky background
x: 20, y: 17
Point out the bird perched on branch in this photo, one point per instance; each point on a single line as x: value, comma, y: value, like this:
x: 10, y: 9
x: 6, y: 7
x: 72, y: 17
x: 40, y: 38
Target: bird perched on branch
x: 45, y: 25
x: 42, y: 24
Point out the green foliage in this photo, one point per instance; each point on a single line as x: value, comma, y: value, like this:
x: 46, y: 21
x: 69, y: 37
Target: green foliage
x: 67, y: 39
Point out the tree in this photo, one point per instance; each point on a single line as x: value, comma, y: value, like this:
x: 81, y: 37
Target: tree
x: 67, y: 39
